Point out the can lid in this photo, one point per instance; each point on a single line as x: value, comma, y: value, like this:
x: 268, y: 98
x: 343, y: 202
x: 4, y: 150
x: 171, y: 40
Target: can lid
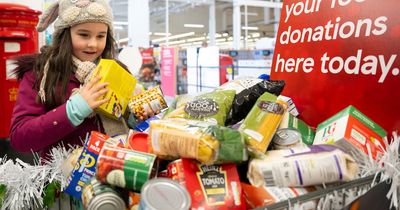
x: 163, y: 193
x: 138, y: 142
x: 287, y: 136
x: 106, y: 201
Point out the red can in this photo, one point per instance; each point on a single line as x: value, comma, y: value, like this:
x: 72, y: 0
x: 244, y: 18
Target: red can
x: 175, y: 171
x: 163, y: 173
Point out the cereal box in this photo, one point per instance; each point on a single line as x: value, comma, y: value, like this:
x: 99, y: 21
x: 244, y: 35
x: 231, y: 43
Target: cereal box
x: 121, y: 87
x: 353, y: 132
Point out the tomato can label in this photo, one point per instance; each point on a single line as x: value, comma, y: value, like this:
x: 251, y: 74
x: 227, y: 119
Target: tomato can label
x: 175, y: 171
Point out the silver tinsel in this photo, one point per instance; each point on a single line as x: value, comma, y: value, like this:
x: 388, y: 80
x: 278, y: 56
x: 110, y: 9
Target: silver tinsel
x: 25, y: 183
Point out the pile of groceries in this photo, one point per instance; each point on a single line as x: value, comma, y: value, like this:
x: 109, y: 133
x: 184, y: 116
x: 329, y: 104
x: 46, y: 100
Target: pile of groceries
x: 240, y: 146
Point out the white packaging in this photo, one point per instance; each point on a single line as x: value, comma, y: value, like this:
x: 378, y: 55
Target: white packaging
x: 305, y: 166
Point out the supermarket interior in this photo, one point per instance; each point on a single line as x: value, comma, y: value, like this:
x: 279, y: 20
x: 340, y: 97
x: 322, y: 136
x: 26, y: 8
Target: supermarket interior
x: 199, y: 104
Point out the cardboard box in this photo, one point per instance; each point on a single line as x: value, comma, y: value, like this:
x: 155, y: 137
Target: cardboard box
x: 85, y: 168
x: 352, y: 131
x: 121, y: 87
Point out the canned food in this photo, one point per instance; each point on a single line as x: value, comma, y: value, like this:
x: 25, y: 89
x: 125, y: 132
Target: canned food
x: 125, y: 168
x: 163, y: 193
x: 286, y: 138
x: 138, y: 142
x: 151, y: 100
x: 163, y: 173
x: 97, y: 196
x: 175, y: 171
x: 133, y: 200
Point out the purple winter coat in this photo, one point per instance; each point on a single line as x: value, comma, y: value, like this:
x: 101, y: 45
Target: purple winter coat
x: 35, y: 129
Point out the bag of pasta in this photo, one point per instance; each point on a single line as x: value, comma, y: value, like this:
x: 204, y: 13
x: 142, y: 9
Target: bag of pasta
x: 212, y: 107
x: 262, y: 122
x: 248, y: 90
x: 205, y: 142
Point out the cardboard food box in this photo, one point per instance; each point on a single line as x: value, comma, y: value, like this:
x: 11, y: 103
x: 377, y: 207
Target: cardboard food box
x: 121, y: 87
x: 352, y: 131
x: 85, y: 168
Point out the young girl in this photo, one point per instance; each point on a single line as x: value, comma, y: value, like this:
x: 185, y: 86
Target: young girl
x: 56, y: 100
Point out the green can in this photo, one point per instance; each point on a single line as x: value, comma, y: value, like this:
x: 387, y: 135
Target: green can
x: 125, y: 168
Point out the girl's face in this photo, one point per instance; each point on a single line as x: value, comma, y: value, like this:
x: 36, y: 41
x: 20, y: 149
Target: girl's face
x: 88, y: 40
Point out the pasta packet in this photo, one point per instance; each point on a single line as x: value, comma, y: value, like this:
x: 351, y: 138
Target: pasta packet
x: 262, y: 122
x: 205, y: 142
x: 212, y: 107
x: 248, y: 90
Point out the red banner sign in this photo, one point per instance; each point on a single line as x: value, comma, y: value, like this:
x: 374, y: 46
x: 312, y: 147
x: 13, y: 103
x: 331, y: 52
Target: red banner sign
x: 335, y: 53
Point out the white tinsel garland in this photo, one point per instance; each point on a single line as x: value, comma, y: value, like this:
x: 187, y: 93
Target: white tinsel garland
x: 390, y: 170
x: 388, y: 167
x: 25, y: 183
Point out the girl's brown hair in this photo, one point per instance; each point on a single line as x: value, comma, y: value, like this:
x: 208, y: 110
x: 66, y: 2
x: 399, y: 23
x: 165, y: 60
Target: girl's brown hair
x: 60, y: 66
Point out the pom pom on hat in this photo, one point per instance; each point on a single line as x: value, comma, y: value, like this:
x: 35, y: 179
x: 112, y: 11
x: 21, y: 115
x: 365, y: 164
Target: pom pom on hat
x: 67, y: 13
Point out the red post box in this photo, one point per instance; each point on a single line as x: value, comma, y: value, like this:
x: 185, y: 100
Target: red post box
x: 18, y: 36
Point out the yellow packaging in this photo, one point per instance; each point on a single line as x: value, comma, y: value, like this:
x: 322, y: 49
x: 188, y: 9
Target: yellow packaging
x: 121, y: 87
x: 181, y: 138
x: 262, y: 122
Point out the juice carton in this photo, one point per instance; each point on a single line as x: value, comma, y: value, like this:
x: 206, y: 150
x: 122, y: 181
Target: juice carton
x: 121, y: 87
x: 352, y: 131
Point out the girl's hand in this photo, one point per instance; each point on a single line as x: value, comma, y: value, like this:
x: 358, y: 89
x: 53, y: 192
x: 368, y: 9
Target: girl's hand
x: 92, y: 91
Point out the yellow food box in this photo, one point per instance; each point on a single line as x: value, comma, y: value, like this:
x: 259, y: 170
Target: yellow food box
x: 120, y: 89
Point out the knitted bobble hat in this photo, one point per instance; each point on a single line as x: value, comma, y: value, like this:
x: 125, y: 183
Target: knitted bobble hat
x: 72, y: 12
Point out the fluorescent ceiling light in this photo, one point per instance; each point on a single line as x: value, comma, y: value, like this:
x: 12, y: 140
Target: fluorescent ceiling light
x: 224, y: 43
x: 254, y: 35
x: 249, y: 28
x: 123, y: 40
x: 225, y: 34
x: 161, y: 33
x: 250, y: 13
x: 150, y: 33
x: 220, y: 40
x: 120, y: 23
x: 193, y: 25
x: 174, y: 37
x: 118, y: 27
x: 195, y: 39
x: 191, y: 44
x: 217, y: 35
x: 175, y: 42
